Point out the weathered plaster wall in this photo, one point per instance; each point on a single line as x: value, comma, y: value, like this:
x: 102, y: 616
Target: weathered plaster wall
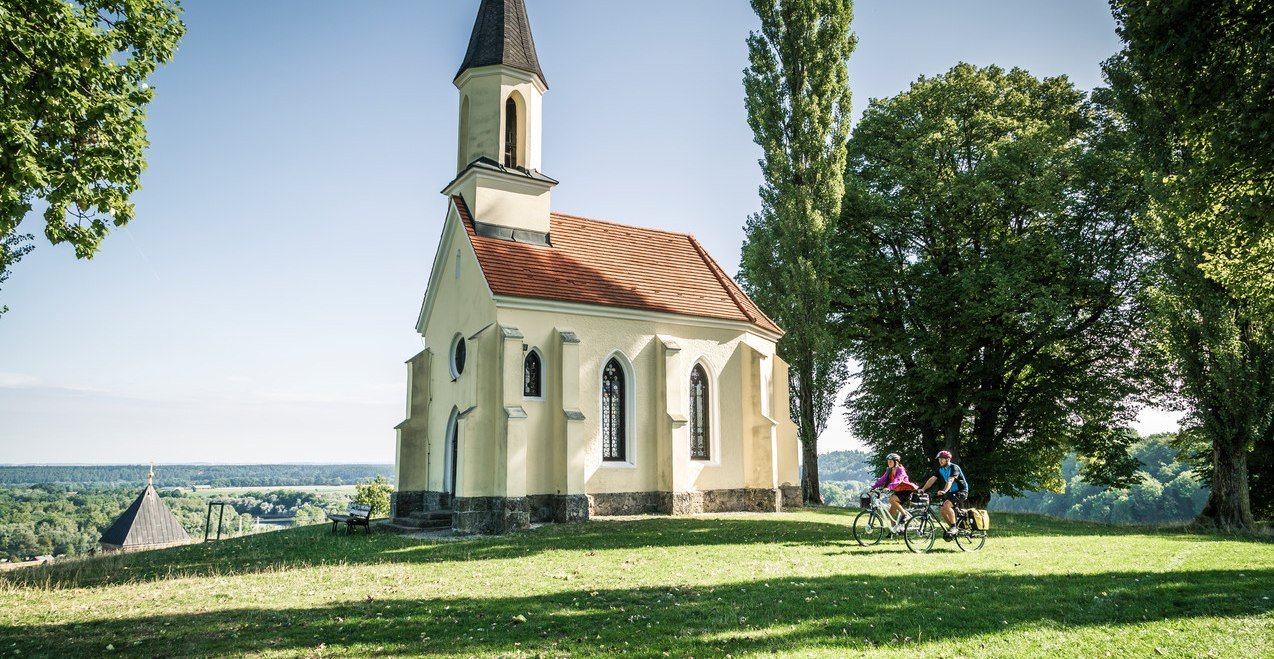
x: 461, y: 304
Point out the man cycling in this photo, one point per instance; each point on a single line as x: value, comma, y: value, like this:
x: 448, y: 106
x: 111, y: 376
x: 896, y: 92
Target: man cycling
x: 895, y: 479
x: 955, y: 489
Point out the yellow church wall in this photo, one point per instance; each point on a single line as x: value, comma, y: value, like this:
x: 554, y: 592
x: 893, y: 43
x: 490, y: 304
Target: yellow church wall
x: 658, y: 425
x: 458, y: 302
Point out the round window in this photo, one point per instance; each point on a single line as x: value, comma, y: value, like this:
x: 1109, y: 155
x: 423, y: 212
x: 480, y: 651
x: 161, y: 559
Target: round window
x: 457, y: 356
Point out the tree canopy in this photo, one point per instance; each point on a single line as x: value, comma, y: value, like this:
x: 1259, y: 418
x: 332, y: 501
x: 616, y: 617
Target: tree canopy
x: 1202, y: 69
x: 987, y: 279
x: 72, y: 119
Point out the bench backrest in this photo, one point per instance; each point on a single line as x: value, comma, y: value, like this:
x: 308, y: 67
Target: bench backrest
x: 359, y: 510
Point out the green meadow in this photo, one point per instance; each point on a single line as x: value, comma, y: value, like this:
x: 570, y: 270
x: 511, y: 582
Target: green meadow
x: 709, y: 586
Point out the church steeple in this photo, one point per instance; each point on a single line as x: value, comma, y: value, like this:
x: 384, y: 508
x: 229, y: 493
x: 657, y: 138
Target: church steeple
x: 501, y: 117
x: 502, y: 36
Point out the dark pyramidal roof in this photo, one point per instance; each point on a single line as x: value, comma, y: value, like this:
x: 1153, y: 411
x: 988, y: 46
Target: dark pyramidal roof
x: 146, y: 523
x: 502, y: 36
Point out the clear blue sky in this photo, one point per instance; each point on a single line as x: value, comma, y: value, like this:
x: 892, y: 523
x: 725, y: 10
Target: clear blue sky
x: 261, y: 305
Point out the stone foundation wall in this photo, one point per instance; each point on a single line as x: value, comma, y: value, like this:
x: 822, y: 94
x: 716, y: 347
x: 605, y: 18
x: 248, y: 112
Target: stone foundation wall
x: 629, y: 503
x: 757, y: 500
x: 406, y: 502
x: 791, y: 496
x: 558, y: 507
x: 493, y: 515
x: 689, y: 503
x: 490, y: 515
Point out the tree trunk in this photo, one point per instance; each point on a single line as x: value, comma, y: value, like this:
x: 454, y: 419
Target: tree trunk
x: 809, y: 482
x: 807, y: 432
x: 1228, y: 507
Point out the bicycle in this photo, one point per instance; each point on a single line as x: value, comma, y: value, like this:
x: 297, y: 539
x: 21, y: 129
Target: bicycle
x: 871, y: 525
x: 922, y: 530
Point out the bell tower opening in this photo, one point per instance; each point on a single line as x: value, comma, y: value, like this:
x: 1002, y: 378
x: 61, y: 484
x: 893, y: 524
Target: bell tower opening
x: 511, y: 130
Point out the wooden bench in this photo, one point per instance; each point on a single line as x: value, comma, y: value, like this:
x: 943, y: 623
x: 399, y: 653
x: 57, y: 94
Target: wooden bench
x: 358, y: 514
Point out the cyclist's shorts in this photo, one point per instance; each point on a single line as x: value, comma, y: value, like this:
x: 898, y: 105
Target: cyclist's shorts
x: 956, y: 498
x: 904, y: 496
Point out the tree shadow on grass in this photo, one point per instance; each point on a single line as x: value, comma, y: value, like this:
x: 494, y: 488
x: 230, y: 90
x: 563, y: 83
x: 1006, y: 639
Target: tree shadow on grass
x: 314, y: 545
x: 790, y: 614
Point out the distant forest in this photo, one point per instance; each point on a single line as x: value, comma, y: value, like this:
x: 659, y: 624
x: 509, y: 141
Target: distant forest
x: 54, y: 520
x: 189, y: 475
x: 1166, y: 489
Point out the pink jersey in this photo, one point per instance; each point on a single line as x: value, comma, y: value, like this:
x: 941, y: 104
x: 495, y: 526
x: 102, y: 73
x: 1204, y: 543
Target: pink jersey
x: 897, y: 480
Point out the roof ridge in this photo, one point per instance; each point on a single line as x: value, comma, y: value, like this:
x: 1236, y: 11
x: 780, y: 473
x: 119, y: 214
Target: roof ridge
x: 621, y: 224
x: 719, y: 274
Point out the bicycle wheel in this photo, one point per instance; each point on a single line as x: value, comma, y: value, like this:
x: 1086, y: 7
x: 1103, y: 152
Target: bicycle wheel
x: 967, y: 538
x: 869, y: 528
x: 920, y: 533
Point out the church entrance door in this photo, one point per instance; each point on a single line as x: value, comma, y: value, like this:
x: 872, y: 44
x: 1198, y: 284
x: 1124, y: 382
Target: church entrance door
x: 452, y: 444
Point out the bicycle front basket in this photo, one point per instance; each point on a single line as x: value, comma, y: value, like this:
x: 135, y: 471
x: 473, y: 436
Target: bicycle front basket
x: 864, y: 501
x: 921, y: 500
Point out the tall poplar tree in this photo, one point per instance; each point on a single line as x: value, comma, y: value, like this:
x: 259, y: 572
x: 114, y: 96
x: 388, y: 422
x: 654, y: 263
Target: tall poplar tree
x: 798, y: 103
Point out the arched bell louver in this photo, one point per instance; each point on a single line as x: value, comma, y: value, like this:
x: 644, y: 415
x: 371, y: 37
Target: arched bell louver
x: 532, y: 375
x: 699, y: 439
x: 510, y: 133
x: 614, y: 421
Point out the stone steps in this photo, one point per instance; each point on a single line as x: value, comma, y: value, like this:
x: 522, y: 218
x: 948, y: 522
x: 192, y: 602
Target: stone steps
x: 422, y: 521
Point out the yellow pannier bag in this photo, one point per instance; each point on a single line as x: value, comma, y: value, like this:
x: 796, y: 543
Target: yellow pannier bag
x: 980, y: 520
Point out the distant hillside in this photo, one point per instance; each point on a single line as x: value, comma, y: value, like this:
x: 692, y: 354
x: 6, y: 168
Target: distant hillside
x: 845, y: 466
x: 188, y: 475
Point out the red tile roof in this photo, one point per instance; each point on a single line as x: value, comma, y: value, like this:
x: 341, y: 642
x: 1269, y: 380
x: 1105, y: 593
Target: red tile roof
x: 614, y: 265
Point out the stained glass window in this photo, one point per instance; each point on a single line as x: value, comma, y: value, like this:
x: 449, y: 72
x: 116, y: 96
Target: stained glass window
x: 699, y: 414
x: 531, y: 375
x: 613, y: 422
x: 510, y: 133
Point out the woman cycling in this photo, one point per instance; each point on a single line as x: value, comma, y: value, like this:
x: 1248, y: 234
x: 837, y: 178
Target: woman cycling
x: 895, y: 479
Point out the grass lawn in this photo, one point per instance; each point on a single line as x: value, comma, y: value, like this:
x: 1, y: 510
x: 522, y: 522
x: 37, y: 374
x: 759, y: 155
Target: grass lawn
x: 790, y: 584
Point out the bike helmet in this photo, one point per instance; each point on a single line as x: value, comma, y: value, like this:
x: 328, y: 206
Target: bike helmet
x: 944, y: 454
x: 894, y: 456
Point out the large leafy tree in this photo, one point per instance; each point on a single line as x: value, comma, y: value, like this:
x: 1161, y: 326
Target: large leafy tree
x: 798, y: 103
x: 1208, y: 65
x: 988, y: 278
x: 1195, y: 79
x: 72, y: 94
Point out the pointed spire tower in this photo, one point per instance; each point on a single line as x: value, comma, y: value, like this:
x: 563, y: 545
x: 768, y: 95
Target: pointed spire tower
x: 501, y: 106
x: 147, y: 524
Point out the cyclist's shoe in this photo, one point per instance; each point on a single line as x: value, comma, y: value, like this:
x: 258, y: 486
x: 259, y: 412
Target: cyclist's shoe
x: 948, y: 536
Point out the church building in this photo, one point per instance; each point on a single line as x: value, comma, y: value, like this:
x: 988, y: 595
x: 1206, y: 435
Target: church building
x: 576, y: 367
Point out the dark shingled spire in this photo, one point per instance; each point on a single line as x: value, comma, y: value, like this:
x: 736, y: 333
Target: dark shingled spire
x: 502, y: 35
x: 146, y: 523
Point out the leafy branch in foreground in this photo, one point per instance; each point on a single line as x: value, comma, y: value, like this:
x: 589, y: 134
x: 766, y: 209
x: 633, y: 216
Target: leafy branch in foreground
x: 72, y: 120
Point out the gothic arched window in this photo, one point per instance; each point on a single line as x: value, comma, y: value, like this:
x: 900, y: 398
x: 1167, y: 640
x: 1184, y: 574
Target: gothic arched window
x: 510, y: 133
x: 699, y: 414
x: 532, y: 375
x: 614, y: 422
